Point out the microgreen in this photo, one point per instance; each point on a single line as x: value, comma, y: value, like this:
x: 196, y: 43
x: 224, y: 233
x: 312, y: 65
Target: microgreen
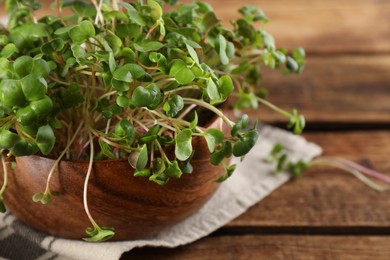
x: 135, y: 80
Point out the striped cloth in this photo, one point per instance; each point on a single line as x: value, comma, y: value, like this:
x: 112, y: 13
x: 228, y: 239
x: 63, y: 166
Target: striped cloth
x: 253, y: 180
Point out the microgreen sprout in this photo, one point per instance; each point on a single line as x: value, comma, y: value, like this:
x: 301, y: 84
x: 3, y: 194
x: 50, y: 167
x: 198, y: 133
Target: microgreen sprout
x: 116, y: 80
x: 280, y: 158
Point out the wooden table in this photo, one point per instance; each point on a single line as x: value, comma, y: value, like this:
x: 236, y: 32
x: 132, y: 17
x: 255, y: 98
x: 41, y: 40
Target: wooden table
x: 345, y: 94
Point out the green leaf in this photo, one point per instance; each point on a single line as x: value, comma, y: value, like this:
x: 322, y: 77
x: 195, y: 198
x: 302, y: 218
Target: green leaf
x: 82, y: 32
x: 26, y: 116
x: 24, y: 148
x: 173, y: 105
x: 246, y: 100
x: 54, y: 45
x: 131, y: 72
x: 142, y: 173
x: 181, y: 72
x: 229, y: 171
x: 148, y: 45
x: 242, y: 123
x: 173, y: 170
x: 158, y: 166
x: 99, y: 234
x: 193, y: 53
x: 243, y: 146
x: 183, y: 148
x: 222, y: 47
x: 150, y: 136
x: 224, y: 152
x: 34, y: 87
x: 42, y: 107
x: 213, y: 137
x: 8, y: 139
x: 79, y: 53
x: 149, y: 96
x: 125, y: 129
x: 213, y: 92
x: 225, y: 86
x: 156, y: 12
x: 83, y: 9
x: 142, y: 159
x: 25, y: 65
x: 160, y: 179
x: 44, y: 198
x: 194, y: 122
x: 11, y: 93
x: 106, y: 149
x: 8, y: 50
x: 133, y: 14
x: 45, y: 139
x: 253, y: 14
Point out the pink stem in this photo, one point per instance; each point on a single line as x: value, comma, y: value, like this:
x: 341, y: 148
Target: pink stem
x: 362, y: 169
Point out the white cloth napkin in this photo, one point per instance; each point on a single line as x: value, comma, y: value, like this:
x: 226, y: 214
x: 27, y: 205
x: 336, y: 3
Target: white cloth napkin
x: 251, y: 182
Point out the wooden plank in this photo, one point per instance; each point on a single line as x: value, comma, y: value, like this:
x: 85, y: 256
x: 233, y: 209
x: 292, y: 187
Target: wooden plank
x: 327, y: 197
x: 284, y: 247
x: 348, y: 89
x: 319, y: 26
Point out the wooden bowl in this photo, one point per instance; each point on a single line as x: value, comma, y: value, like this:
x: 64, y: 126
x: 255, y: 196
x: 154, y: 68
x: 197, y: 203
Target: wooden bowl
x: 134, y: 206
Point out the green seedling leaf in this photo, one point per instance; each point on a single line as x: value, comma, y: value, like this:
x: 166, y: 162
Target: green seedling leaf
x: 147, y: 45
x: 79, y: 53
x: 24, y: 148
x: 243, y: 146
x: 142, y: 158
x: 225, y: 87
x: 150, y: 136
x: 183, y: 148
x: 44, y: 198
x: 213, y: 92
x: 8, y: 139
x: 131, y: 72
x: 156, y: 12
x: 99, y: 234
x: 158, y: 166
x: 229, y: 171
x: 34, y: 87
x: 26, y: 65
x: 246, y: 100
x: 173, y: 170
x: 55, y: 45
x: 192, y: 53
x: 82, y: 32
x: 213, y: 137
x: 224, y: 152
x: 26, y: 116
x: 8, y: 50
x: 241, y: 124
x: 194, y: 122
x: 42, y: 107
x: 106, y: 149
x: 253, y: 14
x: 149, y: 96
x: 223, y: 49
x: 11, y: 93
x: 181, y: 72
x: 133, y: 14
x: 160, y: 179
x: 142, y: 173
x: 45, y: 139
x: 126, y: 130
x: 173, y: 105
